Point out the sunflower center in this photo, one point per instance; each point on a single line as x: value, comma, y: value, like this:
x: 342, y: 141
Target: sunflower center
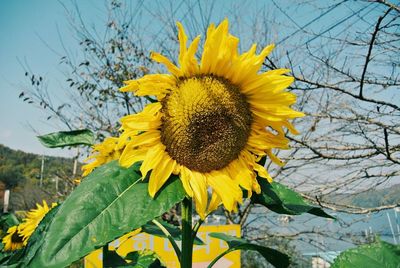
x: 16, y: 238
x: 206, y: 123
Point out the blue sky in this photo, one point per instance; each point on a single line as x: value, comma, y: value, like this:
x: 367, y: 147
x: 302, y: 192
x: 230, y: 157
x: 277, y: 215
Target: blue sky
x: 29, y: 29
x: 30, y: 37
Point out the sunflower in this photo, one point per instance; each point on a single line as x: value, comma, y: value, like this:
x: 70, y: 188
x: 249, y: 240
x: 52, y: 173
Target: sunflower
x: 212, y: 121
x: 32, y: 220
x: 13, y: 240
x: 102, y: 153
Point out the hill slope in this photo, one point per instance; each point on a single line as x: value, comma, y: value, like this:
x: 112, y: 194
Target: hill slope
x: 371, y: 198
x: 21, y: 171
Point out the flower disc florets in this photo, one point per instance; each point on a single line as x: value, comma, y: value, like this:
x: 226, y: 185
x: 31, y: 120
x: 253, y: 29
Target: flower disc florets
x: 16, y: 238
x: 206, y: 123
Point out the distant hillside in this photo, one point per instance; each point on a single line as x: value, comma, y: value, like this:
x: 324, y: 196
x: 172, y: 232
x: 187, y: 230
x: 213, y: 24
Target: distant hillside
x: 371, y: 198
x: 21, y: 171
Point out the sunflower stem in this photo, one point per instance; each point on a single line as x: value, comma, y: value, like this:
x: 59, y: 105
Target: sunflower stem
x: 105, y: 255
x: 187, y: 240
x: 170, y: 238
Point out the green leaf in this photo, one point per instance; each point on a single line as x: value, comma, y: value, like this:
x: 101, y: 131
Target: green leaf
x: 4, y: 256
x: 8, y: 220
x: 112, y: 259
x: 137, y: 259
x: 283, y: 200
x: 109, y: 203
x: 145, y: 258
x: 175, y: 232
x: 276, y: 258
x: 375, y: 255
x: 67, y: 138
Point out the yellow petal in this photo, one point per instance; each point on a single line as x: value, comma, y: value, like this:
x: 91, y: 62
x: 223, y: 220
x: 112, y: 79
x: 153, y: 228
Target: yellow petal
x: 291, y: 128
x: 212, y: 46
x: 185, y: 177
x: 189, y: 64
x: 239, y: 171
x: 130, y: 155
x: 222, y: 184
x: 199, y: 186
x: 214, y: 202
x: 262, y: 172
x: 275, y: 159
x: 146, y: 138
x: 153, y: 157
x: 160, y: 174
x: 172, y: 68
x: 151, y: 84
x: 182, y: 42
x: 267, y: 84
x: 148, y: 119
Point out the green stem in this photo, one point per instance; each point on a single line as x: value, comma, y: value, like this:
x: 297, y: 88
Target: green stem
x: 105, y: 255
x: 187, y: 241
x: 196, y: 229
x: 170, y: 238
x: 220, y: 256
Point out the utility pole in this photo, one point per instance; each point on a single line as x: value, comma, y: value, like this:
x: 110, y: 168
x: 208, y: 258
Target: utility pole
x: 75, y: 164
x: 57, y: 185
x: 41, y: 172
x: 6, y: 200
x: 391, y: 228
x: 397, y: 222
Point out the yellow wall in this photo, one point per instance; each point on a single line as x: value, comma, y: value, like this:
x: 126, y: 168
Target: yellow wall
x: 202, y: 255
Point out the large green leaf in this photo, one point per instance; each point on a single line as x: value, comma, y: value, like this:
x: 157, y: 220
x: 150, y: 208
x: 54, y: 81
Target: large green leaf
x: 109, y: 203
x: 283, y: 200
x: 67, y: 138
x: 375, y: 255
x: 276, y: 258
